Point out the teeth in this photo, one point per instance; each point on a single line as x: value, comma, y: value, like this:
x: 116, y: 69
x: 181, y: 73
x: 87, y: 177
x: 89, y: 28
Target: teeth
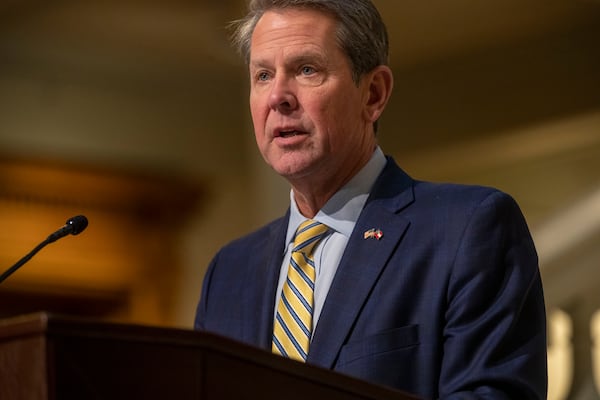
x: 288, y: 133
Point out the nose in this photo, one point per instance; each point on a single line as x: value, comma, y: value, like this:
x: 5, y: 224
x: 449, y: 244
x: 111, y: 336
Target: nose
x: 283, y: 97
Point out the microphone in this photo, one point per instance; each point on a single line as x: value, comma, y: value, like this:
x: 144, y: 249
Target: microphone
x: 73, y: 226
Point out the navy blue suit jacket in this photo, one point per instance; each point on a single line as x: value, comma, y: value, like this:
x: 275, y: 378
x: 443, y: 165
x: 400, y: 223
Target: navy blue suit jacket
x: 447, y: 304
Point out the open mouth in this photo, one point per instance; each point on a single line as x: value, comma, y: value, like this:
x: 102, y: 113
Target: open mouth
x: 287, y: 134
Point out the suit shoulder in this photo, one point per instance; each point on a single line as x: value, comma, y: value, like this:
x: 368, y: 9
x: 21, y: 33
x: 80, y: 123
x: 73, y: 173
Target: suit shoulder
x: 459, y: 199
x: 396, y: 183
x: 463, y: 194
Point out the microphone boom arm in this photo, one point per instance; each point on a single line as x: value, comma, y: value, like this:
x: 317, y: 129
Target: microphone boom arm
x: 74, y: 226
x: 23, y: 260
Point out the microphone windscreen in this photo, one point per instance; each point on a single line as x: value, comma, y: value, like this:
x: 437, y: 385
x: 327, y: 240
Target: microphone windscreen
x: 77, y: 224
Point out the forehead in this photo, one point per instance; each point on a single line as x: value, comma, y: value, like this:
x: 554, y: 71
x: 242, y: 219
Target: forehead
x: 288, y: 29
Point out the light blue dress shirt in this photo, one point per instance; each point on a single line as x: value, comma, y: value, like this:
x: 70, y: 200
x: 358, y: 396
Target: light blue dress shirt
x: 340, y: 214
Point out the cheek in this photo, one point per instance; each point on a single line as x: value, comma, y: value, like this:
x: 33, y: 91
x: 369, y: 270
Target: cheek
x: 258, y: 115
x: 341, y: 111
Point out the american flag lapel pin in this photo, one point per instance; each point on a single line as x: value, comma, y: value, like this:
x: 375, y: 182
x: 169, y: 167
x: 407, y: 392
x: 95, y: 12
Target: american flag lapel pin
x: 373, y: 234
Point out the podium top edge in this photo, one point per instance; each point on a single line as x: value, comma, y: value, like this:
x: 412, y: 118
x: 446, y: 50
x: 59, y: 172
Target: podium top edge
x: 24, y: 325
x: 47, y: 323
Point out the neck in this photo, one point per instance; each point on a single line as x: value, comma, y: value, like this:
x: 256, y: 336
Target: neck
x: 313, y: 192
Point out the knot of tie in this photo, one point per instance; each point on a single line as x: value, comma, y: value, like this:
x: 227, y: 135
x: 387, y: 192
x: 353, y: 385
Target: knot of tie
x: 309, y: 233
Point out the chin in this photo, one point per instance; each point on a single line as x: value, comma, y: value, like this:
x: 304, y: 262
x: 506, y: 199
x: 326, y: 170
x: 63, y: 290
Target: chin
x: 294, y: 165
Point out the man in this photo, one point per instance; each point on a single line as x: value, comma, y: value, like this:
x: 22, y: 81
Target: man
x: 429, y: 288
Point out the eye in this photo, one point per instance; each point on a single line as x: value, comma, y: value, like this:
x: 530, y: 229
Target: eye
x: 262, y: 76
x: 307, y: 70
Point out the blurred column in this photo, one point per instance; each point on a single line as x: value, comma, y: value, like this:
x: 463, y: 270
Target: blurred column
x: 581, y: 312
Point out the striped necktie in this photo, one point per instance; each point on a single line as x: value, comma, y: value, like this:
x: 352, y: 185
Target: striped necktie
x: 293, y: 323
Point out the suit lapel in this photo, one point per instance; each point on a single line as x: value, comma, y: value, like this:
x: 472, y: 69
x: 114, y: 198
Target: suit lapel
x: 259, y: 294
x: 362, y: 264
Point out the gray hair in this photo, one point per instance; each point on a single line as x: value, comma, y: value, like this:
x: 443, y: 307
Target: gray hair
x: 361, y: 33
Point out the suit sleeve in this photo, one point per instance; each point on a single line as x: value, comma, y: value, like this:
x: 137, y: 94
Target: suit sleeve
x: 495, y: 327
x: 200, y: 318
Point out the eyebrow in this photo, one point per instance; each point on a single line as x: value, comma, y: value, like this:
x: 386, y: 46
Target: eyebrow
x: 309, y: 57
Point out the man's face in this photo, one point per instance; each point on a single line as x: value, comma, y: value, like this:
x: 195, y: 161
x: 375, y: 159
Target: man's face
x: 309, y: 115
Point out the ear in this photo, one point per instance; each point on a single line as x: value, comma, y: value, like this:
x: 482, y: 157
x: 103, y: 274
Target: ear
x: 380, y: 82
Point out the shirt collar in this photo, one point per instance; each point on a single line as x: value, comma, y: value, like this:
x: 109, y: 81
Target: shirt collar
x: 342, y: 210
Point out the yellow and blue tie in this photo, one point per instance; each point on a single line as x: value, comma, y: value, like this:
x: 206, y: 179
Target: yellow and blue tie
x: 293, y: 323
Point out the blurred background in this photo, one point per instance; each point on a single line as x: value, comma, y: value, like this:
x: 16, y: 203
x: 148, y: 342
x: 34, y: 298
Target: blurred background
x: 135, y: 114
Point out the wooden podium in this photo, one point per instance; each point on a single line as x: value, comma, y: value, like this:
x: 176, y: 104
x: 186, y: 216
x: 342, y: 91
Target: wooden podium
x: 60, y: 358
